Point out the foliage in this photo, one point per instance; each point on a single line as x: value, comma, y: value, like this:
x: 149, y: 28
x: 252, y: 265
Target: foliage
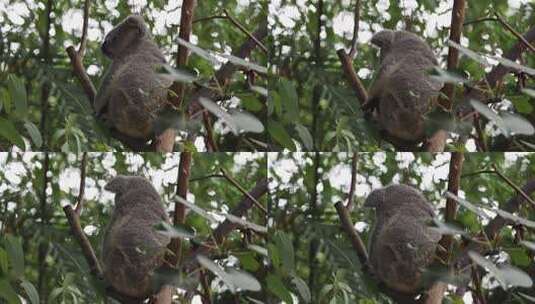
x: 49, y: 258
x: 35, y: 67
x: 332, y: 269
x: 312, y: 99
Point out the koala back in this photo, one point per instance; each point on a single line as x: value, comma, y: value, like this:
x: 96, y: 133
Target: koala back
x: 401, y: 243
x: 132, y: 249
x: 403, y: 89
x: 134, y: 92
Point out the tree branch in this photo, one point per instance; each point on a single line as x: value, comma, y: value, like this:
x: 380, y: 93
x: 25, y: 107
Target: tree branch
x: 221, y: 232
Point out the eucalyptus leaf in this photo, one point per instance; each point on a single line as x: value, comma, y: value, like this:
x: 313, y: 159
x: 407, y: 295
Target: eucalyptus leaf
x: 18, y: 95
x: 302, y: 288
x: 515, y: 219
x: 244, y: 63
x: 260, y: 90
x: 261, y: 250
x: 243, y: 280
x: 9, y: 132
x: 517, y: 124
x: 236, y: 220
x: 529, y: 92
x: 35, y: 135
x: 177, y: 75
x: 15, y: 253
x: 31, y: 292
x: 529, y: 245
x: 175, y: 231
x: 199, y: 51
x: 196, y: 209
x: 246, y: 122
x: 477, y: 210
x: 305, y: 136
x: 469, y: 53
x: 506, y: 275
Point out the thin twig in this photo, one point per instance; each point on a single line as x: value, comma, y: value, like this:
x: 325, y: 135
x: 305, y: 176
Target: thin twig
x: 514, y: 32
x: 80, y: 199
x: 354, y: 41
x: 513, y: 185
x: 351, y: 194
x: 242, y: 190
x: 83, y: 43
x: 244, y: 30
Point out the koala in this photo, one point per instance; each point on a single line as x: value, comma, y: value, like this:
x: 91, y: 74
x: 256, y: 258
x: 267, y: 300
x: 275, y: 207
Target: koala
x: 402, y: 244
x: 403, y: 91
x: 132, y: 249
x: 132, y: 92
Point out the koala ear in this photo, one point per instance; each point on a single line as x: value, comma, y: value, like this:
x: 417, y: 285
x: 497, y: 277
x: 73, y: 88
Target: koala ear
x: 383, y: 39
x: 117, y: 185
x: 137, y: 22
x: 375, y: 198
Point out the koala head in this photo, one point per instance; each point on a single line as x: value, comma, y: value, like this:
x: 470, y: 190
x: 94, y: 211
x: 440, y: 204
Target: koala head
x: 124, y: 35
x: 383, y: 39
x: 389, y: 199
x: 122, y: 184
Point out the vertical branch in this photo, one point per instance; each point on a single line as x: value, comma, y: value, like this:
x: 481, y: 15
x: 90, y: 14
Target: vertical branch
x: 43, y: 245
x: 179, y: 216
x: 166, y: 141
x: 316, y: 94
x: 80, y: 200
x: 437, y: 142
x: 83, y: 43
x: 354, y: 41
x: 45, y: 89
x: 354, y: 159
x: 314, y: 243
x: 456, y: 29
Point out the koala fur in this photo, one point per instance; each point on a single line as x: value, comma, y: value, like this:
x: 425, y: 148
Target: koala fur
x: 132, y: 249
x: 132, y: 92
x: 402, y: 244
x: 403, y: 91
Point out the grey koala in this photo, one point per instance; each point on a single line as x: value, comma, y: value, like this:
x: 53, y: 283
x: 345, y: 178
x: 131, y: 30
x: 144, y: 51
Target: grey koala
x: 402, y: 244
x: 132, y: 249
x: 132, y: 92
x: 403, y: 91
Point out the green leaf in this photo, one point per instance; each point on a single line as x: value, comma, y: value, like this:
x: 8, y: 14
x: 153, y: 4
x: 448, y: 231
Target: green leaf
x: 234, y: 219
x: 278, y: 288
x: 305, y: 136
x: 9, y: 132
x: 15, y: 253
x: 237, y: 121
x: 8, y: 293
x: 289, y: 99
x: 196, y: 209
x: 279, y: 134
x: 517, y: 124
x: 4, y: 261
x: 31, y: 292
x: 519, y: 256
x: 233, y: 278
x: 34, y: 133
x: 18, y: 95
x: 248, y: 261
x: 529, y: 245
x: 176, y: 231
x: 286, y: 250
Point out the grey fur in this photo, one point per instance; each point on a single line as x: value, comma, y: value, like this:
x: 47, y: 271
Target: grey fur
x: 132, y: 248
x: 403, y: 91
x: 132, y: 92
x: 402, y: 244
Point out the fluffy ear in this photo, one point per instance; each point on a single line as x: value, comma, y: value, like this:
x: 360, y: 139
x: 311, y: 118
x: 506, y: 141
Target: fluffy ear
x: 383, y: 39
x: 375, y: 198
x: 137, y: 22
x: 117, y: 185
